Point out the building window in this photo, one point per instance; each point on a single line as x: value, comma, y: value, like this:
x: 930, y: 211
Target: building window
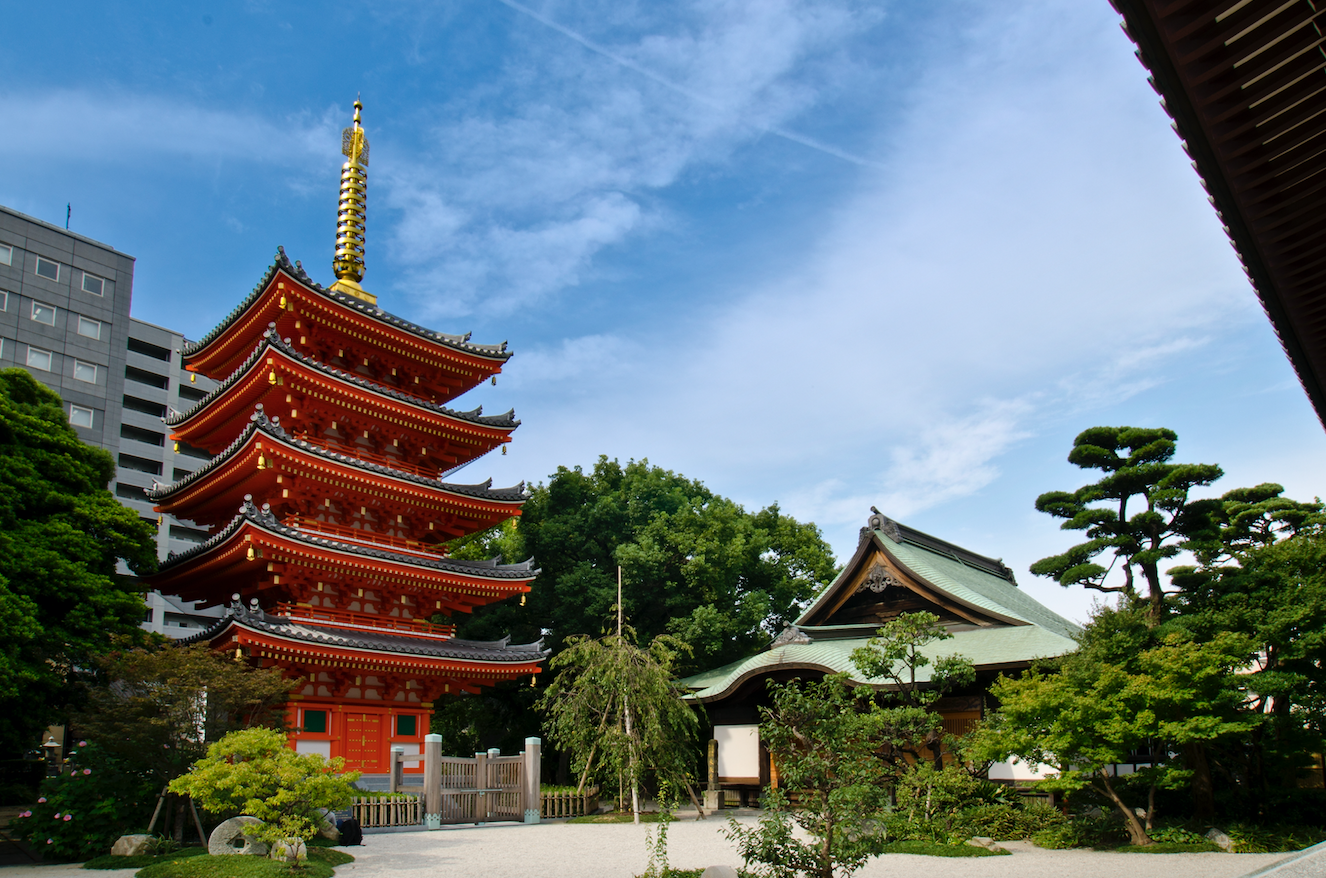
x: 4, y: 301
x: 315, y: 721
x: 39, y: 359
x: 89, y: 328
x: 48, y: 269
x: 85, y: 371
x: 93, y: 284
x: 406, y: 726
x: 80, y: 416
x: 43, y: 313
x: 6, y: 254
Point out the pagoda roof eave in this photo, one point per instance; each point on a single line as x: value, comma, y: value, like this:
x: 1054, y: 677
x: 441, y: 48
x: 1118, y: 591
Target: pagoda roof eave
x: 500, y: 654
x: 272, y: 342
x: 262, y: 425
x: 252, y: 517
x: 281, y: 264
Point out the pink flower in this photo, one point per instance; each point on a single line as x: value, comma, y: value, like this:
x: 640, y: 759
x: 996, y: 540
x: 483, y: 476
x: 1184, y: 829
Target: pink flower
x: 82, y: 743
x: 68, y: 817
x: 50, y: 841
x: 26, y: 814
x: 57, y: 815
x: 41, y: 801
x: 87, y: 771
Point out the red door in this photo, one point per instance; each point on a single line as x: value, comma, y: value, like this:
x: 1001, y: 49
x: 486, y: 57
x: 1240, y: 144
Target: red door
x: 363, y: 742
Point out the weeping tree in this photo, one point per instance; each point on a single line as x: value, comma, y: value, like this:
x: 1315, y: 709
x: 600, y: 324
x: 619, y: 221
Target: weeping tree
x: 617, y: 708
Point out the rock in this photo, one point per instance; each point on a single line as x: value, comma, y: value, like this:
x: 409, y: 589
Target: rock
x: 327, y: 826
x: 229, y: 838
x: 719, y: 872
x: 981, y: 841
x: 291, y: 850
x: 131, y: 845
x: 1094, y: 813
x: 1222, y: 841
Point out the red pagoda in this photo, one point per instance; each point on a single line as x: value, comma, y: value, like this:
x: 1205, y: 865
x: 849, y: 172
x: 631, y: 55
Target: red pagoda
x: 331, y: 434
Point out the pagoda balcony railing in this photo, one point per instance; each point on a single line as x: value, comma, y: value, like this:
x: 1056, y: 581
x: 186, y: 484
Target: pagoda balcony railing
x: 360, y: 453
x: 366, y: 621
x: 369, y: 538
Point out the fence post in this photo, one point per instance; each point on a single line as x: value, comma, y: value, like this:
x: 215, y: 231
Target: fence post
x: 530, y: 772
x: 433, y: 781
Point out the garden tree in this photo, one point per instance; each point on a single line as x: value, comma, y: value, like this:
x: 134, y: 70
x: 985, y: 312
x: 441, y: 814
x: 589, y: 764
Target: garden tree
x: 1252, y: 518
x: 254, y: 772
x: 824, y: 736
x: 695, y: 565
x: 157, y: 709
x: 895, y: 654
x: 1138, y: 513
x: 1273, y: 594
x: 1094, y: 714
x: 61, y: 535
x: 618, y: 709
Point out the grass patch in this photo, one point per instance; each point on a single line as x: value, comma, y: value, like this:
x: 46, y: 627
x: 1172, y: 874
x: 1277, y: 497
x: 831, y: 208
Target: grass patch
x: 329, y: 855
x: 1168, y: 847
x: 615, y: 817
x: 932, y: 849
x: 106, y: 861
x: 320, y: 863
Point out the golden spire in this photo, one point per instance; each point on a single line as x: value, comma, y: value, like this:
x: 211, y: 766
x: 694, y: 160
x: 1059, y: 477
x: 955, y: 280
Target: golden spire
x: 349, y: 261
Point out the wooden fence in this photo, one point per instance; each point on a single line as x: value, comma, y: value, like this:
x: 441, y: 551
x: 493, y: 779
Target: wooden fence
x: 400, y: 809
x: 569, y: 804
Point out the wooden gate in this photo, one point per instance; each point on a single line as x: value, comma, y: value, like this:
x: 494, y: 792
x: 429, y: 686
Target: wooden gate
x: 487, y: 787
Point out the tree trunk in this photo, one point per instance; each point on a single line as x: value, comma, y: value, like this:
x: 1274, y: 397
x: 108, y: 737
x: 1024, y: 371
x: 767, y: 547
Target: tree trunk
x: 699, y: 809
x: 1155, y: 611
x: 826, y: 851
x: 179, y: 820
x: 1203, y: 789
x: 1136, y: 834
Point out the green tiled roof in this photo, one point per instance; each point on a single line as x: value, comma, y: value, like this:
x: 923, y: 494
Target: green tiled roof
x: 986, y: 647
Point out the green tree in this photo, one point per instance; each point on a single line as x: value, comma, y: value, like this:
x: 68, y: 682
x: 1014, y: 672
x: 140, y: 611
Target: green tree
x: 696, y: 566
x: 896, y: 654
x: 1273, y: 594
x: 253, y: 772
x: 619, y: 711
x: 824, y: 736
x: 156, y: 710
x: 1138, y: 513
x: 1094, y: 714
x: 61, y: 535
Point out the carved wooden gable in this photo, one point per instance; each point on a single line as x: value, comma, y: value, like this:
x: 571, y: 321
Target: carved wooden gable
x: 879, y: 591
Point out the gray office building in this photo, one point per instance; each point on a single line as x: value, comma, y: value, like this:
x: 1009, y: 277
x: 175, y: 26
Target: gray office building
x: 64, y: 316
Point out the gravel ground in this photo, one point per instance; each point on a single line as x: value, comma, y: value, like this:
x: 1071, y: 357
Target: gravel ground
x: 617, y: 850
x: 561, y: 850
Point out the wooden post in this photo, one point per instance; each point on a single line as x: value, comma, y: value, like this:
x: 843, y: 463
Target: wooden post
x: 713, y: 796
x: 433, y: 781
x: 480, y: 784
x: 396, y: 766
x: 530, y: 775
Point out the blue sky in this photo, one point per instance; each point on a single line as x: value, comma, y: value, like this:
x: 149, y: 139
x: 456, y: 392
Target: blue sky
x: 826, y: 254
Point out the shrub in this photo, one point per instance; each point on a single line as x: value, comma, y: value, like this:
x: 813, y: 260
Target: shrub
x: 253, y: 772
x: 1249, y: 839
x: 1080, y: 831
x: 81, y: 812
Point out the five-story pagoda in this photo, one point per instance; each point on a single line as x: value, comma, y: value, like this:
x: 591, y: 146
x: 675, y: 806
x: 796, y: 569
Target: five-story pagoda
x: 331, y: 433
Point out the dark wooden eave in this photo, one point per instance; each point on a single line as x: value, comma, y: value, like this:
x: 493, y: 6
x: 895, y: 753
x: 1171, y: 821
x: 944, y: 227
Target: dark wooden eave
x: 1245, y: 84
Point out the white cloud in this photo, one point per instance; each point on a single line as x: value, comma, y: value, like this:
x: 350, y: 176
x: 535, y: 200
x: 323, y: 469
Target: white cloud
x: 510, y: 205
x: 126, y: 128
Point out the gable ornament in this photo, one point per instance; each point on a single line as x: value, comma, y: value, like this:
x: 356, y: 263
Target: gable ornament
x: 878, y: 579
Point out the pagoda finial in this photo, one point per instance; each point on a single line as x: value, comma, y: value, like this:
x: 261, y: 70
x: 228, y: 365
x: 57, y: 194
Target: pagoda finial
x: 350, y: 218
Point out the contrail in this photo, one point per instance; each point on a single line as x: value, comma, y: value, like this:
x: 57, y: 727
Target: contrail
x: 682, y: 90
